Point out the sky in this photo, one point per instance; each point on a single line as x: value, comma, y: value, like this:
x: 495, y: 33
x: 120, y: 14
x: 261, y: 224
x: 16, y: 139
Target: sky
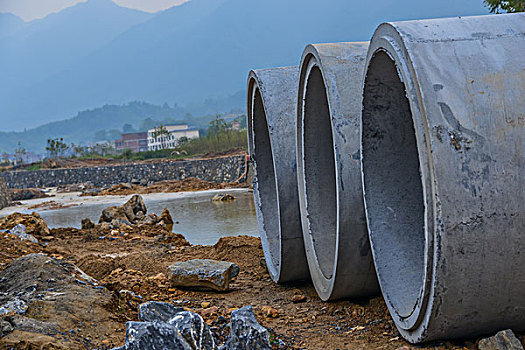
x: 33, y: 9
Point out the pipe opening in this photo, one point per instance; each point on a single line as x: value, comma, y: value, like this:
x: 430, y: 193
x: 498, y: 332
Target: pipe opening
x: 393, y: 186
x: 266, y: 182
x: 319, y: 171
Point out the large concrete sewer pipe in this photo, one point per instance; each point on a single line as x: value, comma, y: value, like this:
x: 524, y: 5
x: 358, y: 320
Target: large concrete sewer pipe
x: 272, y: 96
x: 328, y: 170
x: 443, y: 160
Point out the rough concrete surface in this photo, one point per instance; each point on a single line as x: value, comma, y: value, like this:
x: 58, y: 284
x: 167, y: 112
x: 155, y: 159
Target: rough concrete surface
x: 443, y: 160
x: 271, y: 121
x: 329, y: 176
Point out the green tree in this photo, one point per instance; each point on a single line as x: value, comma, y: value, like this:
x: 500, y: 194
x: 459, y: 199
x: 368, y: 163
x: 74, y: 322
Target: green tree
x: 495, y: 6
x: 217, y: 126
x: 56, y: 147
x: 20, y: 153
x: 161, y: 134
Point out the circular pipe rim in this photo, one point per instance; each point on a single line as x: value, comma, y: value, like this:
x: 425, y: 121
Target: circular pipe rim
x: 274, y: 271
x: 323, y: 285
x: 384, y: 40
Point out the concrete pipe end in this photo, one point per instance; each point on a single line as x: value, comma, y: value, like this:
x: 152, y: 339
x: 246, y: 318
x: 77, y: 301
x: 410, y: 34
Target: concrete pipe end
x: 332, y: 214
x: 271, y: 110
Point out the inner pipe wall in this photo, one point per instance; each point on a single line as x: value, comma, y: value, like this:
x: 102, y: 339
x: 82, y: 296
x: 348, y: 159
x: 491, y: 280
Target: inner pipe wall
x: 443, y: 161
x: 328, y: 170
x: 271, y: 105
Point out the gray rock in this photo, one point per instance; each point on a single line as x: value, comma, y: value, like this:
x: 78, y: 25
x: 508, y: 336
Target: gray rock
x: 16, y: 306
x: 135, y: 181
x: 5, y: 327
x: 20, y: 231
x: 154, y: 311
x: 153, y: 336
x: 193, y: 328
x: 503, y: 340
x: 246, y: 333
x: 203, y: 273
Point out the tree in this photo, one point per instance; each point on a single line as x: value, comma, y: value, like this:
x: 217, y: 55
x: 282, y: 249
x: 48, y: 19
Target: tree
x: 20, y: 152
x: 217, y: 126
x: 56, y: 147
x: 495, y: 6
x: 162, y: 133
x: 5, y: 158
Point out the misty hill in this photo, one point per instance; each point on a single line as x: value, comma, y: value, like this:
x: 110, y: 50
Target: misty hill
x: 9, y: 24
x: 109, y: 121
x: 200, y: 49
x: 38, y: 49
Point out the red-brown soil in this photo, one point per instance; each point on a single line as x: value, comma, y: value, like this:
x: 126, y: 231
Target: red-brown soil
x: 137, y: 259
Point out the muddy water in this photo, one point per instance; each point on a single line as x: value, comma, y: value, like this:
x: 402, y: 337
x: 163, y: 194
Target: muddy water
x: 199, y: 219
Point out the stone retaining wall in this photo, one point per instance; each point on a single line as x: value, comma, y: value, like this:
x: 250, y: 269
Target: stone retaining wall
x: 5, y: 198
x: 224, y: 169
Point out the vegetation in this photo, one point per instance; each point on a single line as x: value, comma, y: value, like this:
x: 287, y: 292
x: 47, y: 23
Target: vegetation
x: 56, y: 147
x: 162, y: 133
x: 107, y: 123
x: 19, y: 153
x: 219, y: 138
x: 495, y: 6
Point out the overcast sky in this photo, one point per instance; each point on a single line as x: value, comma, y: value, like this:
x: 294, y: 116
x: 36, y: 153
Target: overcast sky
x: 32, y: 9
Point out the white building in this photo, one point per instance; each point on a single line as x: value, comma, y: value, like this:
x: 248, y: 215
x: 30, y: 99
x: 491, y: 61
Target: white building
x: 171, y: 138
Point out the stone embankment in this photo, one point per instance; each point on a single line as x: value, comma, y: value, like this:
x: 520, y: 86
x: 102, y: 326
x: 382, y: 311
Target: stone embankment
x: 5, y: 197
x: 218, y: 170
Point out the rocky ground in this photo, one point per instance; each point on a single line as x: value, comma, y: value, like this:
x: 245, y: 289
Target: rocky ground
x: 169, y: 186
x: 91, y: 281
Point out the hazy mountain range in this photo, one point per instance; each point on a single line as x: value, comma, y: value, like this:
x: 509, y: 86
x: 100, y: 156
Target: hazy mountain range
x: 97, y: 53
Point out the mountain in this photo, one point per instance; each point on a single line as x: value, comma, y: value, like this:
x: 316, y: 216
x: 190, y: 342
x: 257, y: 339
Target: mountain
x: 109, y: 121
x: 42, y: 48
x: 9, y: 24
x: 200, y: 49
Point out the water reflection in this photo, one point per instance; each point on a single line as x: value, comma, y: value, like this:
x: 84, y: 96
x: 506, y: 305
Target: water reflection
x: 199, y: 219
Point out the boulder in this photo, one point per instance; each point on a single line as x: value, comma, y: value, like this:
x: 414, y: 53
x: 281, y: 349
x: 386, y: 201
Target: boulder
x: 26, y: 193
x: 131, y: 212
x: 58, y: 297
x: 113, y: 213
x: 134, y: 205
x: 20, y: 231
x: 246, y: 333
x: 203, y: 273
x: 194, y: 330
x: 165, y: 219
x: 154, y: 311
x: 87, y: 224
x: 503, y: 340
x: 153, y: 336
x: 33, y: 223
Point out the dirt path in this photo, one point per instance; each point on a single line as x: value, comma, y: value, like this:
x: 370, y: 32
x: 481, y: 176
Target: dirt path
x: 137, y: 260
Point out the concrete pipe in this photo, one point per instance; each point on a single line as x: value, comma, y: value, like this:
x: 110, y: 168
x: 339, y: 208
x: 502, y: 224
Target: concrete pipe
x: 328, y: 170
x: 271, y: 116
x: 443, y: 160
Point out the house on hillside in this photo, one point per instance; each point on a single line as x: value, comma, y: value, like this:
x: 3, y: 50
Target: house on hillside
x: 169, y: 136
x: 135, y: 141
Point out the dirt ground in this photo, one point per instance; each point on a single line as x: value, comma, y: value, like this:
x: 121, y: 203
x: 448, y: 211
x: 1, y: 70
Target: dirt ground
x: 82, y: 163
x: 168, y: 186
x: 137, y: 259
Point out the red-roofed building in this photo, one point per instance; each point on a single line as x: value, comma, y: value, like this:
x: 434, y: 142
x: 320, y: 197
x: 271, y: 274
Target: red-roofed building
x: 136, y: 141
